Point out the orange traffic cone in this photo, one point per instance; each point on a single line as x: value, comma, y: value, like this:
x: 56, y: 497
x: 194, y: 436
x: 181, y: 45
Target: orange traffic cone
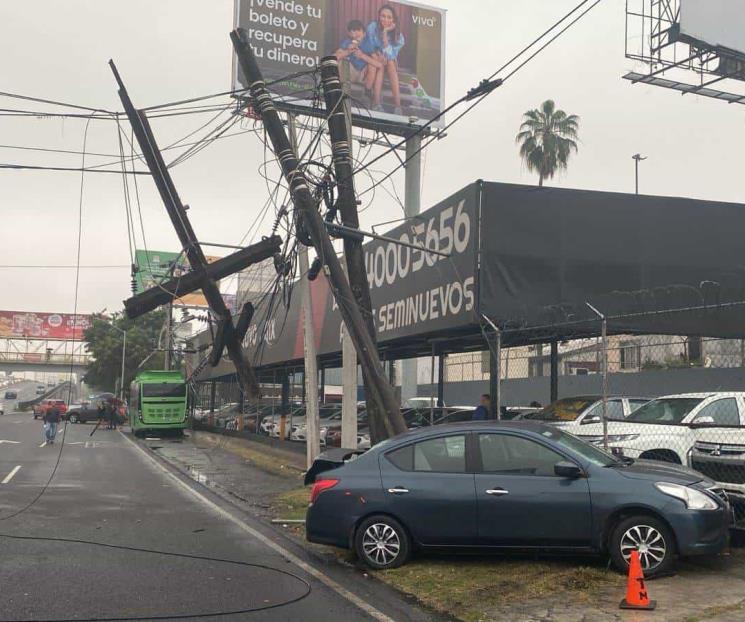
x: 636, y: 591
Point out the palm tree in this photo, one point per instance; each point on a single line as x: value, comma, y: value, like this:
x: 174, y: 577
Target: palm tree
x: 547, y: 138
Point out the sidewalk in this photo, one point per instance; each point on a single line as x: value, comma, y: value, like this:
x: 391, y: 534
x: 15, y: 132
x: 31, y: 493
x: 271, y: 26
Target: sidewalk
x: 267, y: 481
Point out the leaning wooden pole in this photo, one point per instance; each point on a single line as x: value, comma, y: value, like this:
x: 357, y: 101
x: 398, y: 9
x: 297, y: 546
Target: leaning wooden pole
x: 180, y: 220
x: 381, y: 392
x: 337, y: 108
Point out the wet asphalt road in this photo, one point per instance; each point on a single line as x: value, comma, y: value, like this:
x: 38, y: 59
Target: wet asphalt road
x: 107, y: 490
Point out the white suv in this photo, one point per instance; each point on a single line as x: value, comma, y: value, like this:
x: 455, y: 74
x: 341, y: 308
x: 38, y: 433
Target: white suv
x: 574, y: 414
x: 666, y: 428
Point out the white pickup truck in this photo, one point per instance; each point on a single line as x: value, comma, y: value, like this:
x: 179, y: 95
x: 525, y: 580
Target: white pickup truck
x: 719, y: 453
x: 666, y: 428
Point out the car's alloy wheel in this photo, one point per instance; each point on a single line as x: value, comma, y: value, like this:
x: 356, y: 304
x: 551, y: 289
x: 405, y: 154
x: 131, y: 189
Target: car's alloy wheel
x: 73, y: 418
x: 381, y: 542
x: 648, y: 541
x: 649, y: 536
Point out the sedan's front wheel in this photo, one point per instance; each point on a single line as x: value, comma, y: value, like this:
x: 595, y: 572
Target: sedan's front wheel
x: 382, y: 542
x: 73, y: 418
x: 650, y: 537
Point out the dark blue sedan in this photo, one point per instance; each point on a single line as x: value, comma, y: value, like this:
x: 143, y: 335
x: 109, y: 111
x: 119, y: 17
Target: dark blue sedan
x: 514, y: 485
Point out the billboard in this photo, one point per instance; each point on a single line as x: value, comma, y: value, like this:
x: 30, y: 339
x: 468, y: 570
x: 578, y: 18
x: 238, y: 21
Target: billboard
x: 52, y: 326
x: 154, y: 267
x: 392, y: 54
x: 414, y: 293
x: 716, y: 23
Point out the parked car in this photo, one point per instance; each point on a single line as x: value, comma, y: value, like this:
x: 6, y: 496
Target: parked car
x: 663, y: 429
x: 40, y: 390
x: 571, y: 413
x: 42, y: 407
x: 83, y: 412
x: 299, y: 430
x: 720, y: 454
x: 492, y: 485
x: 11, y: 395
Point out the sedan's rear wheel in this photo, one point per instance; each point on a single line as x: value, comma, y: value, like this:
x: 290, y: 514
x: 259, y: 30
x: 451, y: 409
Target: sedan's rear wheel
x: 650, y: 537
x: 73, y: 418
x: 382, y: 542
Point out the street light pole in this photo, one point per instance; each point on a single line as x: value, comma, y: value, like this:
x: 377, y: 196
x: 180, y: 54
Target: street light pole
x: 637, y: 158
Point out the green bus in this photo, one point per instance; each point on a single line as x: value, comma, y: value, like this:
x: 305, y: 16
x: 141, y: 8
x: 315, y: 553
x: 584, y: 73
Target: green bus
x: 158, y: 402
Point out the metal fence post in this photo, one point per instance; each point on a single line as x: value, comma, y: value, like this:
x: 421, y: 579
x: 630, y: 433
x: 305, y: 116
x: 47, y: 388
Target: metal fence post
x: 604, y: 362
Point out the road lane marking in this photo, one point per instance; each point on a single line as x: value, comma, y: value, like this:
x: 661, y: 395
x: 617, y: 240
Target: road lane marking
x: 12, y: 442
x: 326, y: 580
x: 42, y: 445
x: 10, y: 475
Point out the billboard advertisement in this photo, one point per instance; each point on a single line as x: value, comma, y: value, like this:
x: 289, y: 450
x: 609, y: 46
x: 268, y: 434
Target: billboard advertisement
x: 717, y: 23
x: 154, y: 267
x: 414, y: 293
x: 52, y: 326
x: 392, y: 54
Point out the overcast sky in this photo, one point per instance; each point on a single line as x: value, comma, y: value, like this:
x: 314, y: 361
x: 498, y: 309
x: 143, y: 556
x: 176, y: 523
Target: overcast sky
x: 172, y: 49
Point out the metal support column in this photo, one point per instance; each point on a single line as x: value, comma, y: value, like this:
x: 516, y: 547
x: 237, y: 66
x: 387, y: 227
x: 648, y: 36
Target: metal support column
x: 441, y: 381
x: 285, y: 404
x: 554, y: 371
x: 412, y: 207
x: 213, y: 391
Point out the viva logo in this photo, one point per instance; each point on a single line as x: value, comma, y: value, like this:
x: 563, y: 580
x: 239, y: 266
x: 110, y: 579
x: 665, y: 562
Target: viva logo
x: 419, y: 20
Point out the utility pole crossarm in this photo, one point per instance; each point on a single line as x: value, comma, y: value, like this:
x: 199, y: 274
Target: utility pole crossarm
x: 187, y: 237
x: 191, y: 282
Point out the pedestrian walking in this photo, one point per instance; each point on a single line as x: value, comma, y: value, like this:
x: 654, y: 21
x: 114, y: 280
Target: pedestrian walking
x: 114, y: 415
x: 51, y: 418
x: 101, y: 412
x: 482, y: 411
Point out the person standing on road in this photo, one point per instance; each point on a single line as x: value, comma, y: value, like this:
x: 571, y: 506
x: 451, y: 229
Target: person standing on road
x: 482, y: 411
x: 101, y: 412
x: 51, y: 418
x: 114, y: 415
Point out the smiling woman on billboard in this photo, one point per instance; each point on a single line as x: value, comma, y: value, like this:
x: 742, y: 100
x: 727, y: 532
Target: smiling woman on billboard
x: 383, y: 41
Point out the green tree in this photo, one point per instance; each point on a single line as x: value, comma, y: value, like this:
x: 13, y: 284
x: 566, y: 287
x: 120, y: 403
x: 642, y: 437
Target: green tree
x: 547, y: 138
x: 104, y: 343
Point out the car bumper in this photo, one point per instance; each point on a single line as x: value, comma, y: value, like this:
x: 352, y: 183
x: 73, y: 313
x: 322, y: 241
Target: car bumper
x: 326, y: 526
x: 700, y: 532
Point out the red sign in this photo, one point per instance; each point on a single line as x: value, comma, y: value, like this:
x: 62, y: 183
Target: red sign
x: 53, y: 326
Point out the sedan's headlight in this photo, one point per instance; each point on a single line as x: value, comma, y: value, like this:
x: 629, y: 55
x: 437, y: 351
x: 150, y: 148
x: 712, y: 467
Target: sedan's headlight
x: 619, y: 438
x: 694, y: 499
x: 324, y: 430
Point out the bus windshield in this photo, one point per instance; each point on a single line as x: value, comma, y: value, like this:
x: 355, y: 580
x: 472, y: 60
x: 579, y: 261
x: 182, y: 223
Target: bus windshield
x: 164, y: 390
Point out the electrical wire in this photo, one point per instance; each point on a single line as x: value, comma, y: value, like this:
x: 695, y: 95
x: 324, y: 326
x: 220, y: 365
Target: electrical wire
x: 119, y: 547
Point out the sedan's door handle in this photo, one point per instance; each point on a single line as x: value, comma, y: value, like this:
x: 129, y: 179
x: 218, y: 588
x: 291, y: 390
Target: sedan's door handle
x: 398, y: 490
x: 497, y: 492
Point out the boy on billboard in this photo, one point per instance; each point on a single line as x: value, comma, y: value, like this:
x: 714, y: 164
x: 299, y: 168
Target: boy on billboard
x: 362, y: 67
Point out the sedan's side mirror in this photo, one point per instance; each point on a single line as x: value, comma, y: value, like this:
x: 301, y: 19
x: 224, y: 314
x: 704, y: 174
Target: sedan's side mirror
x: 591, y: 419
x: 567, y: 469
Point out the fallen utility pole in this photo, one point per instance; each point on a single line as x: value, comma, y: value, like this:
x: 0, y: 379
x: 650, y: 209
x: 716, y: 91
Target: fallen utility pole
x: 384, y: 415
x: 308, y: 216
x: 230, y: 338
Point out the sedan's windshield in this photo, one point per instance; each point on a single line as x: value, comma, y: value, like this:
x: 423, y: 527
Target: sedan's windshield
x: 563, y: 410
x: 592, y: 454
x: 665, y: 410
